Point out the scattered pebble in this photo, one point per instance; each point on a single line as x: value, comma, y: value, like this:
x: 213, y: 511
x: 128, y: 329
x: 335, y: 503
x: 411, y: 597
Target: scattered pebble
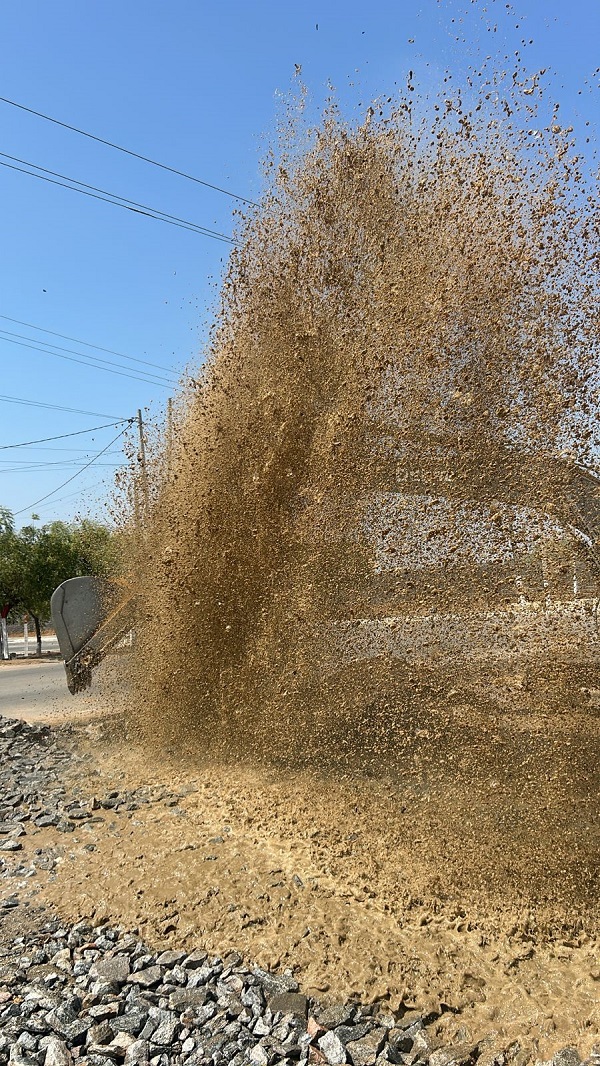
x: 84, y: 995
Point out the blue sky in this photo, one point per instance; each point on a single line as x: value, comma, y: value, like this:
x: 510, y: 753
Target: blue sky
x: 199, y: 87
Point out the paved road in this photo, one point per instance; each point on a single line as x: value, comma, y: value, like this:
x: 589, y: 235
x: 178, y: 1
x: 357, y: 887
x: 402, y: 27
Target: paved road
x: 34, y: 690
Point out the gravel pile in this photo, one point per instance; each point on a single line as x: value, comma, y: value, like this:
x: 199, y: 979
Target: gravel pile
x: 99, y: 996
x: 32, y: 794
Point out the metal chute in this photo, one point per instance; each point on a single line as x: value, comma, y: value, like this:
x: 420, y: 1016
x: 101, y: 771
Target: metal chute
x: 90, y: 615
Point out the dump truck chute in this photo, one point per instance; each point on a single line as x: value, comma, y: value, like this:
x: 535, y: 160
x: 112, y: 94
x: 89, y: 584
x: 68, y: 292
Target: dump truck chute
x: 90, y: 615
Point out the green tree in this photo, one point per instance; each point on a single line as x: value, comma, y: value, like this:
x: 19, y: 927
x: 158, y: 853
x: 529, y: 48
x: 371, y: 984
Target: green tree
x: 7, y: 524
x: 34, y: 561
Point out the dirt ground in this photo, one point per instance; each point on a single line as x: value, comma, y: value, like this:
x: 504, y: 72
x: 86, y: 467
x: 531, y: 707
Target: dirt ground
x: 373, y: 888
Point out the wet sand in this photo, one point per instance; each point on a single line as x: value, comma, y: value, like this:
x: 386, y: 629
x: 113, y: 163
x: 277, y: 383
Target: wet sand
x: 367, y: 888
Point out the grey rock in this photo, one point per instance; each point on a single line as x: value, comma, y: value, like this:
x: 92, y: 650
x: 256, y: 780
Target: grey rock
x: 340, y: 1014
x: 289, y: 1003
x: 99, y: 1034
x: 409, y: 1019
x: 19, y: 1057
x: 194, y: 960
x: 168, y: 1026
x: 261, y: 1028
x: 141, y: 959
x: 27, y: 1041
x: 199, y: 977
x: 274, y: 983
x: 149, y: 1026
x: 61, y: 1015
x: 170, y: 958
x: 114, y: 970
x: 120, y: 1042
x: 36, y: 1023
x: 364, y: 1052
x: 132, y: 1021
x: 568, y: 1056
x: 202, y: 1015
x: 332, y: 1048
x: 137, y: 1053
x: 146, y: 978
x: 346, y: 1033
x: 188, y: 997
x: 101, y: 1011
x: 11, y: 845
x: 57, y: 1053
x: 258, y: 1056
x: 74, y: 1033
x: 178, y: 975
x: 402, y: 1040
x: 422, y: 1044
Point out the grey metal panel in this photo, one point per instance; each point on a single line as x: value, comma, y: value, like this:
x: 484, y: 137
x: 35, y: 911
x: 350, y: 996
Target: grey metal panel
x: 78, y: 608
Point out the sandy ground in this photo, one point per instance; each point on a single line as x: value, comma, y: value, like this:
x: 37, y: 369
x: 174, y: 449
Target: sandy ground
x: 351, y: 881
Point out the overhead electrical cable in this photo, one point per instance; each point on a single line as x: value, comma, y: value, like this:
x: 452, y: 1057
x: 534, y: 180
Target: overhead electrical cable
x: 45, y: 449
x: 77, y: 492
x: 32, y: 464
x: 55, y: 407
x: 6, y: 334
x: 112, y: 198
x: 87, y: 344
x: 127, y: 151
x: 62, y: 466
x: 61, y: 436
x: 84, y: 361
x: 73, y: 476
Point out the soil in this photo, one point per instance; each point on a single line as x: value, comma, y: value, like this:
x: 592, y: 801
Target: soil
x: 346, y: 879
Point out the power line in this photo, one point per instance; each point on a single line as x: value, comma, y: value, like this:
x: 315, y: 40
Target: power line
x: 77, y: 451
x: 61, y: 436
x: 87, y: 360
x: 69, y: 495
x: 62, y: 466
x: 39, y: 464
x: 127, y: 151
x: 55, y: 407
x: 73, y: 476
x: 112, y: 198
x: 87, y: 344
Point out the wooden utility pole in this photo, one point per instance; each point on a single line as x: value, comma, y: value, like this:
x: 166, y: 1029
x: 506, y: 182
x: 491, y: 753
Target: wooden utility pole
x: 142, y: 458
x: 169, y: 433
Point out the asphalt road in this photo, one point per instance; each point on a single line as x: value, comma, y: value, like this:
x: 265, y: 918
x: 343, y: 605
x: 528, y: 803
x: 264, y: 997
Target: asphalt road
x: 36, y: 691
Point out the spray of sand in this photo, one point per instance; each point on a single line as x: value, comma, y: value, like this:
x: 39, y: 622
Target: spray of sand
x: 369, y: 528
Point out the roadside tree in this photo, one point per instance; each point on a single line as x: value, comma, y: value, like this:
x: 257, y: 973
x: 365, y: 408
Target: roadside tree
x: 34, y: 561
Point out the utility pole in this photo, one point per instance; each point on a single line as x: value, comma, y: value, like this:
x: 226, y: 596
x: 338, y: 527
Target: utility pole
x: 169, y: 433
x: 4, y: 632
x: 142, y: 458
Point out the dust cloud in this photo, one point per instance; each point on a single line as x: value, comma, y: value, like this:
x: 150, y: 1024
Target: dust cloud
x: 372, y: 526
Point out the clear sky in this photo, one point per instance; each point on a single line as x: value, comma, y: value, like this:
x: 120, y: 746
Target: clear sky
x: 197, y: 86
